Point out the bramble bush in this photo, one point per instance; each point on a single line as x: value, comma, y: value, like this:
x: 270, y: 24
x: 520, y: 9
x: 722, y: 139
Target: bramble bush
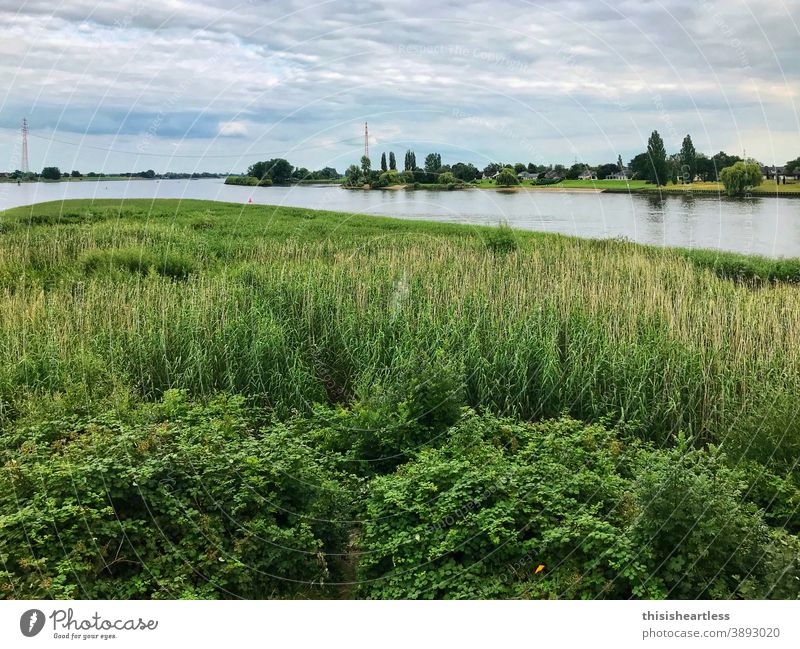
x: 174, y: 501
x: 606, y: 516
x: 180, y: 499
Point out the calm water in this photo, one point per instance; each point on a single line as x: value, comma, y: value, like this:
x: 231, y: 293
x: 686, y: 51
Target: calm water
x: 767, y: 226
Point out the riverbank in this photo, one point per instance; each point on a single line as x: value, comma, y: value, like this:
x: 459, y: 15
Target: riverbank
x: 182, y: 359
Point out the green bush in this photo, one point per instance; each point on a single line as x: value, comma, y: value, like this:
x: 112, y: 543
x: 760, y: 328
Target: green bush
x: 604, y: 517
x: 704, y: 539
x: 475, y: 518
x: 502, y: 239
x: 390, y: 422
x: 173, y: 501
x: 242, y: 180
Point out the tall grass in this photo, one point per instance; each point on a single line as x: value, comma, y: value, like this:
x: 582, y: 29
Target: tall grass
x: 293, y: 307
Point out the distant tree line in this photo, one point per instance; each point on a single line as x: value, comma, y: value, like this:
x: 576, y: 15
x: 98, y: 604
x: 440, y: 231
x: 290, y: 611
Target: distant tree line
x: 54, y: 173
x: 279, y: 171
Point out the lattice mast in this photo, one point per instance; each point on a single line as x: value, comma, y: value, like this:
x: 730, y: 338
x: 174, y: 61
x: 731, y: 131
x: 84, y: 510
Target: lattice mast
x: 366, y: 140
x: 24, y: 164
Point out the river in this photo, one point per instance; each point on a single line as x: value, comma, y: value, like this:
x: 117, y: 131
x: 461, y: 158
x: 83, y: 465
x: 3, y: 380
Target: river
x: 766, y: 226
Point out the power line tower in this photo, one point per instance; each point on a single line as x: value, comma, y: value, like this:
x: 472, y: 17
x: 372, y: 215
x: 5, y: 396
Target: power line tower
x: 366, y: 140
x: 24, y: 163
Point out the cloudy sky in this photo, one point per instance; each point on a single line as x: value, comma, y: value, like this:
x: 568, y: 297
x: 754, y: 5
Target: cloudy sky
x: 178, y: 85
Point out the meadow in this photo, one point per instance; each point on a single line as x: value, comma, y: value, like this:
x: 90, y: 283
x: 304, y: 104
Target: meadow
x: 211, y: 400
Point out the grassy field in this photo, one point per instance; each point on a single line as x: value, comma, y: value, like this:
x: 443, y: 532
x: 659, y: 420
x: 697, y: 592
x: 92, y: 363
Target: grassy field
x: 109, y: 307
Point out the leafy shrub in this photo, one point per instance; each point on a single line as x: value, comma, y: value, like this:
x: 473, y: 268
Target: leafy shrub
x: 265, y: 182
x: 562, y: 509
x: 241, y: 180
x: 501, y: 240
x: 475, y: 518
x: 137, y: 261
x: 704, y: 538
x: 390, y: 423
x: 175, y: 501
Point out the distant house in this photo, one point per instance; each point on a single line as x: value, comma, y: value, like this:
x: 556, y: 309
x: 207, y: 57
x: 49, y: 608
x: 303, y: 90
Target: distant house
x: 771, y: 172
x: 618, y: 175
x: 588, y: 175
x: 553, y: 175
x: 524, y: 175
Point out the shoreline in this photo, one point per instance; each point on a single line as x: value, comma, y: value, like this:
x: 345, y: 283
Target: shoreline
x: 411, y: 224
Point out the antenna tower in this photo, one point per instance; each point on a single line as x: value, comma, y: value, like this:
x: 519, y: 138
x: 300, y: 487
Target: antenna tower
x: 24, y: 163
x: 366, y: 140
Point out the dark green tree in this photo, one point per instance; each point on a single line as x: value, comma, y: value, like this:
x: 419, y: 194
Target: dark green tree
x: 688, y: 160
x: 51, y: 173
x: 384, y: 167
x: 466, y: 172
x: 392, y: 161
x: 607, y: 169
x: 433, y: 162
x: 658, y: 159
x: 353, y: 175
x: 639, y: 167
x: 410, y: 161
x: 277, y: 170
x: 492, y: 168
x: 366, y: 166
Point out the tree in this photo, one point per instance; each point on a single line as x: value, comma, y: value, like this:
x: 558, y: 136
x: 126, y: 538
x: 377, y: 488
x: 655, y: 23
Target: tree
x: 492, y: 168
x: 301, y: 173
x: 277, y: 170
x: 640, y: 167
x: 688, y: 160
x: 792, y: 167
x: 507, y: 178
x: 410, y: 161
x: 51, y: 173
x: 658, y: 159
x: 721, y: 160
x: 392, y: 161
x: 384, y: 167
x: 353, y: 176
x: 741, y: 177
x: 575, y: 170
x: 607, y: 169
x: 366, y: 166
x: 465, y: 172
x: 75, y: 173
x: 520, y: 167
x: 433, y: 162
x: 447, y: 178
x: 532, y: 168
x: 326, y: 173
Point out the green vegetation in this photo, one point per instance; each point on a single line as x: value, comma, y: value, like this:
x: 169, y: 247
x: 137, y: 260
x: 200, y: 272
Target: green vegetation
x: 215, y: 400
x: 741, y: 178
x: 51, y: 173
x: 506, y: 178
x: 250, y: 181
